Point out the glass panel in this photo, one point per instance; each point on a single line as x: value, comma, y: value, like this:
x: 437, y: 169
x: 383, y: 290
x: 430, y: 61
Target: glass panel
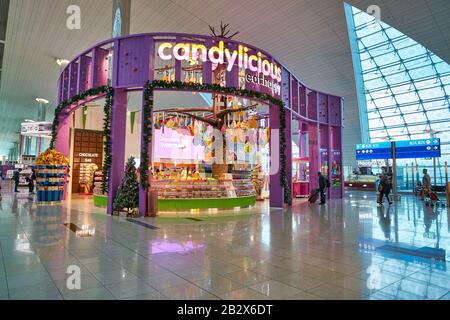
x: 407, y: 87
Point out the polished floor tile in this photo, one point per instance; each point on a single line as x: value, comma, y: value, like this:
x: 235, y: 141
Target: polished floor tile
x: 275, y: 289
x: 165, y: 281
x: 188, y: 292
x: 299, y: 281
x: 243, y: 294
x: 348, y: 249
x: 332, y: 292
x: 129, y: 288
x: 218, y: 285
x: 246, y: 277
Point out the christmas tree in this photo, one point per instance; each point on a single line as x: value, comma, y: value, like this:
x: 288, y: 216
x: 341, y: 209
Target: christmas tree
x: 128, y: 194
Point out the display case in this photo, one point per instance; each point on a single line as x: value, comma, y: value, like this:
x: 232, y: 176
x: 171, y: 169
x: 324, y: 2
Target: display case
x: 202, y: 194
x: 203, y: 189
x: 98, y: 178
x: 361, y: 182
x: 87, y: 171
x: 300, y: 179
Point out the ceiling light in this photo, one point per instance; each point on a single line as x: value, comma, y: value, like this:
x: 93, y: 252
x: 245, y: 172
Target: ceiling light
x: 41, y: 100
x: 61, y: 62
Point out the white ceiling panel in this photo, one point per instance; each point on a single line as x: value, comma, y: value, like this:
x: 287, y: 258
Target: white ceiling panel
x: 307, y: 36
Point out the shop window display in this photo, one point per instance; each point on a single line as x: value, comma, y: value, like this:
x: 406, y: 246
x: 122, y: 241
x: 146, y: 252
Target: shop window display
x: 191, y: 162
x: 88, y: 158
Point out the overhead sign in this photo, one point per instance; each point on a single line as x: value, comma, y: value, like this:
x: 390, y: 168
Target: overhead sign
x: 36, y: 129
x: 380, y: 150
x: 407, y: 149
x: 425, y: 148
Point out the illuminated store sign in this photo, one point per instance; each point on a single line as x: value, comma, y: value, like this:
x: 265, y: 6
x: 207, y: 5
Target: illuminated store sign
x: 264, y: 82
x: 220, y: 55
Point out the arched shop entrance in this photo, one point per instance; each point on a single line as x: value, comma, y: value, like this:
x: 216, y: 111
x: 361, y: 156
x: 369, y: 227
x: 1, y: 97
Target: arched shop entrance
x: 243, y: 89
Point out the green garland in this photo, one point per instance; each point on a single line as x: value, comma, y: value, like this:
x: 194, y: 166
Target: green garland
x: 148, y: 119
x: 109, y: 91
x: 147, y: 135
x: 107, y: 111
x: 283, y: 177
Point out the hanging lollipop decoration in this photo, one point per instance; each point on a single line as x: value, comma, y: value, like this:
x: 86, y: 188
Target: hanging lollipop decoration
x: 190, y: 127
x: 169, y: 123
x: 253, y: 123
x: 180, y: 124
x: 247, y: 145
x: 234, y: 124
x: 197, y: 141
x: 156, y: 121
x: 252, y: 136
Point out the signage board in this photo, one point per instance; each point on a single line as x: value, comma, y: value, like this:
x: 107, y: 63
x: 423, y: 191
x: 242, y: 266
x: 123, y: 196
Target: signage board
x: 379, y: 150
x: 424, y: 148
x: 169, y: 144
x: 258, y: 69
x: 407, y: 149
x: 36, y: 129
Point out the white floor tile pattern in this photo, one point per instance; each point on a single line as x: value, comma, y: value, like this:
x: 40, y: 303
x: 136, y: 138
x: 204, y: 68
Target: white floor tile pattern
x: 308, y: 252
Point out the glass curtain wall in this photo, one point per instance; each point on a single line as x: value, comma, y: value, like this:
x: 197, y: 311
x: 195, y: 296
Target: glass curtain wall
x: 405, y: 91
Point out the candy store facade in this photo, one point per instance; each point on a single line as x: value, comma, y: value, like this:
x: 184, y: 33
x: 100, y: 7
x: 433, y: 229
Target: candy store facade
x: 212, y: 123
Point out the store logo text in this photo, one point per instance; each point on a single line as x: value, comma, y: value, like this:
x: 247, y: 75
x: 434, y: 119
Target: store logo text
x: 220, y: 55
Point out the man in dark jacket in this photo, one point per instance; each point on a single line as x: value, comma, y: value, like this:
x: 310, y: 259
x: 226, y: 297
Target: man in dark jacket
x: 323, y: 184
x: 31, y: 180
x: 385, y: 189
x: 16, y: 177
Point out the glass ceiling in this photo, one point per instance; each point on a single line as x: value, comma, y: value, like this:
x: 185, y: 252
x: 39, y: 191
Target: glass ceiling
x: 404, y: 87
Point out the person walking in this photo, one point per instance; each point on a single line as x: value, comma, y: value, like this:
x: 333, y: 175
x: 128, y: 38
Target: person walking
x: 385, y: 189
x: 323, y: 184
x: 426, y: 184
x: 31, y: 180
x: 16, y: 178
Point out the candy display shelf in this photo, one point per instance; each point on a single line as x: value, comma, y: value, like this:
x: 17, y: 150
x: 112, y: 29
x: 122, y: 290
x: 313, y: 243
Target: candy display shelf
x: 204, y: 194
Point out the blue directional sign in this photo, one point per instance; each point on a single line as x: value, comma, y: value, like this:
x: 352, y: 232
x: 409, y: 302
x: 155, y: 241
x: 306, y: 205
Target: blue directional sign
x: 371, y: 151
x: 425, y: 148
x: 408, y: 149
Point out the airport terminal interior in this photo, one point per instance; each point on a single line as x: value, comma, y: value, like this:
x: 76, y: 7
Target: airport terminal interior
x: 211, y: 150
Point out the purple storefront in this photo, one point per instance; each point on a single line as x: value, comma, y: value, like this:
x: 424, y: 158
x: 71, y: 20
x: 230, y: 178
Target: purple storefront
x: 187, y: 63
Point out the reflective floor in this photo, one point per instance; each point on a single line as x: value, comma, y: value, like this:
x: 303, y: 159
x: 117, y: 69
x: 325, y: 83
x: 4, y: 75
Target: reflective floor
x: 348, y: 249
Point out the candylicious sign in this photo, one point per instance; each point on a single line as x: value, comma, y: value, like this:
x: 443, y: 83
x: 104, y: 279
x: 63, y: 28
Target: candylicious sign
x: 261, y: 71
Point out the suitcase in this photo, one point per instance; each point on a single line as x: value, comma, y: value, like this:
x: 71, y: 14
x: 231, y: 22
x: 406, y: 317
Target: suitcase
x: 314, y: 195
x: 433, y: 196
x: 431, y: 199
